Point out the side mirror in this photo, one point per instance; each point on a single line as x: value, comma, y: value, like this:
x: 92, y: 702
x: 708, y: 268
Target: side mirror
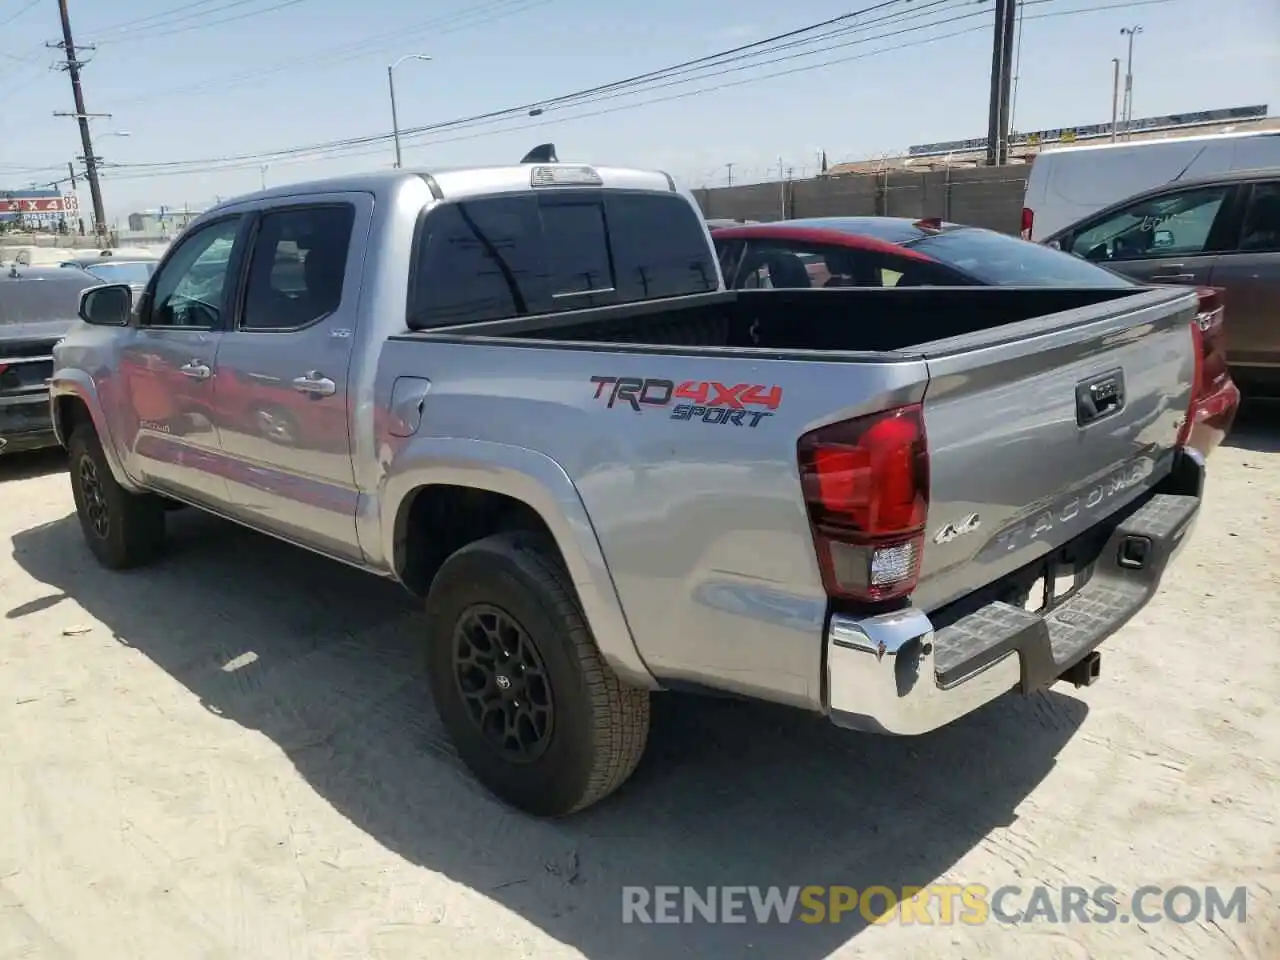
x: 108, y: 305
x: 1163, y: 238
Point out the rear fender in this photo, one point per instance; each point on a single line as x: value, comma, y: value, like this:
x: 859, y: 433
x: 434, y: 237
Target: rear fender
x: 543, y: 485
x: 78, y: 385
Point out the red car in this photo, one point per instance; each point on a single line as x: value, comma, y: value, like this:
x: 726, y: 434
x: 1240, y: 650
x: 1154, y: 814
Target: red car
x: 899, y: 252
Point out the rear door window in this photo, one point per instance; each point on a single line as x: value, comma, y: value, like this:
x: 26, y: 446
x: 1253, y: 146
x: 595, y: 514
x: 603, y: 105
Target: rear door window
x: 1261, y: 228
x: 523, y: 254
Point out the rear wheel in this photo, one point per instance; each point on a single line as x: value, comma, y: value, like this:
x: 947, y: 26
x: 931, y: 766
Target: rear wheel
x: 519, y: 684
x: 122, y: 529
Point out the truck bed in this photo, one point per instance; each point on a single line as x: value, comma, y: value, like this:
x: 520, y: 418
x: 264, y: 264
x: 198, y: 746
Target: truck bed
x: 696, y: 500
x: 847, y: 320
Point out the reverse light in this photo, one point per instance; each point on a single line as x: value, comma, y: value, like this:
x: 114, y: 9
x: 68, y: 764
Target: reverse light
x: 866, y: 488
x: 1028, y: 221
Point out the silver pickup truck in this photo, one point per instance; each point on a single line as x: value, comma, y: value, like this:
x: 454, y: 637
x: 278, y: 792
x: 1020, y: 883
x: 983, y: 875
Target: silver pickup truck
x: 524, y: 393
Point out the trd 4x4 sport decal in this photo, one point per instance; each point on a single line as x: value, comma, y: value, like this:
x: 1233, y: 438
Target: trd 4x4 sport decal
x: 704, y: 401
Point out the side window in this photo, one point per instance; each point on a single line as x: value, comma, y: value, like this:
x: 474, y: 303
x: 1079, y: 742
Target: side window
x: 728, y: 252
x: 659, y: 246
x: 788, y: 265
x: 299, y: 261
x: 1261, y: 231
x: 479, y: 260
x: 191, y: 288
x: 1176, y: 224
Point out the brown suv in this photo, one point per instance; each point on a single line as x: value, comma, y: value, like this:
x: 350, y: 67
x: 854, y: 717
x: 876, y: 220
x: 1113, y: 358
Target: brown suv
x: 1221, y: 231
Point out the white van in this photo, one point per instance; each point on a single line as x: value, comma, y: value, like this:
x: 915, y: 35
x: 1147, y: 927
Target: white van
x: 1069, y: 183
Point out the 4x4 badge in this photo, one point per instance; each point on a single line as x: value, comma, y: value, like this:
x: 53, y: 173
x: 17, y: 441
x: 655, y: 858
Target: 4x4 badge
x: 958, y: 529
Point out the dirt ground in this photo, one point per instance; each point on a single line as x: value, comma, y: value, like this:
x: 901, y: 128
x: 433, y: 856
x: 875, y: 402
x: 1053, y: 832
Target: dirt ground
x: 232, y: 755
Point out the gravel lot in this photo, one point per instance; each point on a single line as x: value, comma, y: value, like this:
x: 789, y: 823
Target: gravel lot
x: 231, y: 755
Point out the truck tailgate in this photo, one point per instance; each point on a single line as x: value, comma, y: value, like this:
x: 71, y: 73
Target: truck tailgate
x: 1038, y: 431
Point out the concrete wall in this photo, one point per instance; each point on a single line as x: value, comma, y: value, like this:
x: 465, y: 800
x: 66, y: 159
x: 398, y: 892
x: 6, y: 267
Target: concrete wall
x: 982, y: 197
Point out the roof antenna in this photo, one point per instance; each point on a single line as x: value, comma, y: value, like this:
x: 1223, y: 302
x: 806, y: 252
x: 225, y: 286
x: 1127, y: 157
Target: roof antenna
x: 542, y: 153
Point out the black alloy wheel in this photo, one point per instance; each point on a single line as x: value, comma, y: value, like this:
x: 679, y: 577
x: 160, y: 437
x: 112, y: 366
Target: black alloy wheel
x: 503, y: 682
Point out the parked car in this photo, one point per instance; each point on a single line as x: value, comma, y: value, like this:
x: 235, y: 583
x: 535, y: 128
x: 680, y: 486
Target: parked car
x: 1068, y: 184
x: 894, y: 252
x: 116, y: 266
x: 609, y: 475
x: 1221, y: 232
x: 38, y: 305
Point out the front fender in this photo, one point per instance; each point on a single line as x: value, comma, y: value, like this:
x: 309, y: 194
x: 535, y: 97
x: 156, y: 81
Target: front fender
x: 542, y: 484
x: 69, y: 382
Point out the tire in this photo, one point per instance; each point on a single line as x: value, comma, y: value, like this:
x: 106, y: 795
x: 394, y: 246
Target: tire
x: 122, y: 529
x: 595, y: 732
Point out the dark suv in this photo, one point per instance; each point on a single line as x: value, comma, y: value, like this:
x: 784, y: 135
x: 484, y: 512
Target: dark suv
x: 1221, y: 231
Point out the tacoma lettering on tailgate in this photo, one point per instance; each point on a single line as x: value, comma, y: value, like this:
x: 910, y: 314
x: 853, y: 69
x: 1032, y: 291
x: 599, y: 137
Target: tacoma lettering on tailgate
x: 707, y: 401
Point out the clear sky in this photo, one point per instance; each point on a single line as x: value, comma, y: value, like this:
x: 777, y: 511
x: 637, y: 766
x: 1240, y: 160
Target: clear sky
x: 292, y: 72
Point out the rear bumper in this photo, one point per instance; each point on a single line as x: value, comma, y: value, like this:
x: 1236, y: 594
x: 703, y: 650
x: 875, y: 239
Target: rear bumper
x: 26, y: 424
x: 897, y: 674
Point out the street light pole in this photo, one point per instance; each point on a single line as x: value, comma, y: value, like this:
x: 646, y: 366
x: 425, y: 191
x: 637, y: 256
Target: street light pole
x: 1115, y: 94
x: 1130, y: 32
x: 391, y: 88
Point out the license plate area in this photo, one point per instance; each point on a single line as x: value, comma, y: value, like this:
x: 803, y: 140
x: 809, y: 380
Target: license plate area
x: 1056, y: 582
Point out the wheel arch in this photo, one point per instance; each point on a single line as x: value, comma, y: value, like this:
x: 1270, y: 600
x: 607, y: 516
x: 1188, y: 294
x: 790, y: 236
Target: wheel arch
x: 443, y: 493
x: 74, y: 400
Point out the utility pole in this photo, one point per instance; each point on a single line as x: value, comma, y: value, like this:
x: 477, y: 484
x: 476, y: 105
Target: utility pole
x: 729, y: 167
x: 1001, y: 81
x: 1115, y: 94
x: 1130, y: 32
x: 782, y: 188
x: 82, y: 118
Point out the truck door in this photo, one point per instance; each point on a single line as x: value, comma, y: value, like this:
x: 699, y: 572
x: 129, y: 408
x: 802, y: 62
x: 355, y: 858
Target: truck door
x: 163, y: 412
x: 284, y: 379
x: 1250, y: 274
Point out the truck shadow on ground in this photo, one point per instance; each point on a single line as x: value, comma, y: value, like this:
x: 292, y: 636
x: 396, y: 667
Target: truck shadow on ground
x: 1257, y: 426
x: 27, y: 466
x: 729, y: 793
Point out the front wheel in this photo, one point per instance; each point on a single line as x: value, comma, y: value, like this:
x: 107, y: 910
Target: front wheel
x: 519, y: 684
x: 122, y: 529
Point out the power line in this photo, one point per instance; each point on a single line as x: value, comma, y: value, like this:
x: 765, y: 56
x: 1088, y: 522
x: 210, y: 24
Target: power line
x: 464, y: 19
x: 344, y: 148
x: 160, y: 15
x: 164, y: 30
x: 577, y: 95
x: 21, y: 10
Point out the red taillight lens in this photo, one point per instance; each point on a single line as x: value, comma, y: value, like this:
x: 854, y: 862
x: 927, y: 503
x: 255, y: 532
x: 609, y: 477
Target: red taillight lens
x: 866, y: 486
x: 1028, y: 221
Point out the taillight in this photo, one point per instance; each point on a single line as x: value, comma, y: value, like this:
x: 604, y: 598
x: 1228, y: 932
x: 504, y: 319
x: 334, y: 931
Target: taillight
x: 1208, y: 340
x: 866, y: 487
x: 1028, y: 220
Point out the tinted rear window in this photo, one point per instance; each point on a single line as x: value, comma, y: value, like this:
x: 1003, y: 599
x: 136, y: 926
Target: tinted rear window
x: 524, y: 254
x: 1006, y: 261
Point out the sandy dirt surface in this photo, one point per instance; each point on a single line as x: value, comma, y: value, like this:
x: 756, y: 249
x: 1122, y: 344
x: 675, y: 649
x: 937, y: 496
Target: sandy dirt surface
x: 232, y: 755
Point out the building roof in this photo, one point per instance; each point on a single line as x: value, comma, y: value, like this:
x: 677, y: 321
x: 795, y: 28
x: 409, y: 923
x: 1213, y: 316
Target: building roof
x: 1025, y: 154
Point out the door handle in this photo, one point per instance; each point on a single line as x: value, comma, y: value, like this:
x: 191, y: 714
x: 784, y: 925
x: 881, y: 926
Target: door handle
x: 316, y: 383
x: 1173, y: 271
x: 196, y: 370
